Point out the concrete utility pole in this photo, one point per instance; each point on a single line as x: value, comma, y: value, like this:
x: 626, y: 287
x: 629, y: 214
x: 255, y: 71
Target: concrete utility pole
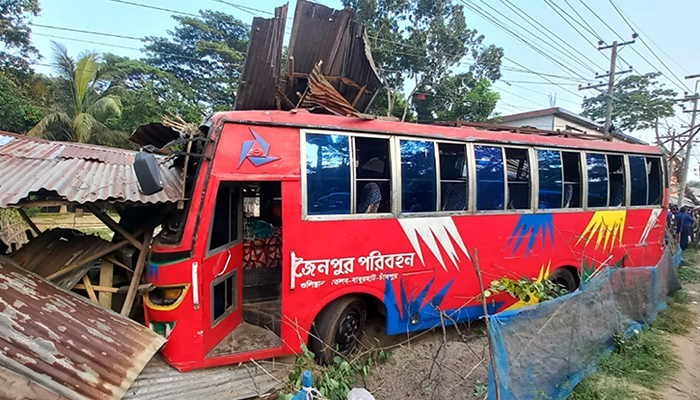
x: 686, y: 160
x: 611, y: 82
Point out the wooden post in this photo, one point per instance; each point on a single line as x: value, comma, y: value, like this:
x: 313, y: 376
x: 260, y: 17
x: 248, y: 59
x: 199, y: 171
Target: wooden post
x: 488, y: 325
x: 29, y: 221
x: 136, y: 280
x: 88, y: 287
x: 112, y: 224
x: 106, y: 280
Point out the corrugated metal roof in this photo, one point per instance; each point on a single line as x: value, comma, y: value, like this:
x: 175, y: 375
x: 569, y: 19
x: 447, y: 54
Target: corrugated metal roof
x: 257, y: 89
x: 159, y: 380
x: 66, y: 343
x: 322, y: 33
x: 76, y: 172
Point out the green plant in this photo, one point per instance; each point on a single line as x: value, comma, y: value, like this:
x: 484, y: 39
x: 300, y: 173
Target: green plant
x: 336, y: 380
x: 480, y: 389
x: 688, y: 274
x: 645, y: 359
x: 526, y: 289
x: 677, y: 318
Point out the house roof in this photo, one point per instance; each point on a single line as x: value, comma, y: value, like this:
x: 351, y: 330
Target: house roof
x: 571, y: 116
x: 77, y: 172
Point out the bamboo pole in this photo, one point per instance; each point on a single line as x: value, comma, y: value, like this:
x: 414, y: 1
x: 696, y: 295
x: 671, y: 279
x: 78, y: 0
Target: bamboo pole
x: 88, y: 287
x: 112, y: 224
x: 138, y: 271
x: 29, y: 221
x: 488, y: 325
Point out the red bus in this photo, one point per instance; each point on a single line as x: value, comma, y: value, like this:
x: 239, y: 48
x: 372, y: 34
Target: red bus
x: 300, y: 223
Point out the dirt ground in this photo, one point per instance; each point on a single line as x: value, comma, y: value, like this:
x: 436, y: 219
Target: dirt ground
x: 686, y: 385
x: 421, y: 367
x: 87, y: 223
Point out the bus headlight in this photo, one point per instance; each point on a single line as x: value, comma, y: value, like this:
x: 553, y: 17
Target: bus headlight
x: 166, y: 298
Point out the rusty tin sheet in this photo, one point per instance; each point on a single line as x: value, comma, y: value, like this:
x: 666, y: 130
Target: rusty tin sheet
x: 66, y: 343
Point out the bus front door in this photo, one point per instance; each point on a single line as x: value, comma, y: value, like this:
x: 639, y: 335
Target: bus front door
x: 221, y: 269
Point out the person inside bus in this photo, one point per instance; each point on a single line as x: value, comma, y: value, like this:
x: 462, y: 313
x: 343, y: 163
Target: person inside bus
x: 372, y: 172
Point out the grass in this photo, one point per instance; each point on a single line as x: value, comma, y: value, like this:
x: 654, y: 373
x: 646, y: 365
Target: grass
x: 688, y: 271
x: 641, y: 364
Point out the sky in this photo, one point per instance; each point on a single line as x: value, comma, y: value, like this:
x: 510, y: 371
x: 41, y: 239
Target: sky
x: 666, y: 27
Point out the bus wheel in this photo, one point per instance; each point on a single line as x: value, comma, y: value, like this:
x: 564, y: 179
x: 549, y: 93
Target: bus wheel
x: 338, y: 328
x: 565, y: 278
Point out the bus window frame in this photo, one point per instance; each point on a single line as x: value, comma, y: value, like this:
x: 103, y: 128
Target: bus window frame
x: 216, y: 182
x: 353, y: 189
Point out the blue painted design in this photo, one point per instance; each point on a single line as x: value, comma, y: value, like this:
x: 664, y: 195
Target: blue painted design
x: 247, y: 148
x: 534, y: 225
x: 400, y: 315
x: 152, y: 272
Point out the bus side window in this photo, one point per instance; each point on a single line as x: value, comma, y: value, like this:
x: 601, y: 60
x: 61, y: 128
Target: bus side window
x: 518, y: 166
x: 418, y: 176
x: 597, y: 180
x: 327, y: 174
x: 655, y: 182
x: 372, y: 175
x: 224, y: 227
x: 550, y: 174
x: 572, y: 179
x: 638, y: 180
x: 454, y: 180
x: 616, y: 177
x: 490, y: 185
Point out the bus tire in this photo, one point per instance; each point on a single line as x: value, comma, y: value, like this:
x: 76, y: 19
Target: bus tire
x: 565, y: 278
x: 338, y: 328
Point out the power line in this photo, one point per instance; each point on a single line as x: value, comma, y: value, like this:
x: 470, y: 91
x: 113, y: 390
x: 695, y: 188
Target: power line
x: 115, y: 46
x: 88, y: 32
x: 557, y: 10
x: 590, y: 28
x: 488, y: 17
x: 683, y: 85
x: 564, y: 52
x: 123, y: 37
x: 629, y: 23
x: 154, y: 8
x: 538, y: 92
x: 556, y: 37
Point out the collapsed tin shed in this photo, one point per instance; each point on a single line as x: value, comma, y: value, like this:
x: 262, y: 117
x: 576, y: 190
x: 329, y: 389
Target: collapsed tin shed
x: 64, y: 342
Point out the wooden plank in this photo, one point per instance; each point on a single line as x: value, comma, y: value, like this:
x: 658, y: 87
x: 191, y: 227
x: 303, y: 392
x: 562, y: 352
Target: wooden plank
x: 90, y: 259
x: 118, y: 263
x: 88, y: 287
x: 112, y: 224
x: 144, y: 287
x: 29, y: 221
x: 138, y: 271
x: 106, y: 280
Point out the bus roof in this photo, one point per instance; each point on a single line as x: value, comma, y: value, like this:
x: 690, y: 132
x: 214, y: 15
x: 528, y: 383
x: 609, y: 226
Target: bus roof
x: 304, y: 119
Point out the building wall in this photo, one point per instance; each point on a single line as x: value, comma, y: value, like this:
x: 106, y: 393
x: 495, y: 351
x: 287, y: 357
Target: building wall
x: 566, y: 125
x: 539, y: 122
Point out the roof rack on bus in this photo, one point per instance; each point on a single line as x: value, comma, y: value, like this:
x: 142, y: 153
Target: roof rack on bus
x: 524, y: 130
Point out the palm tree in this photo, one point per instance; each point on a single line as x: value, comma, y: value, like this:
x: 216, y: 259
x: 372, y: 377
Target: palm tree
x: 82, y: 103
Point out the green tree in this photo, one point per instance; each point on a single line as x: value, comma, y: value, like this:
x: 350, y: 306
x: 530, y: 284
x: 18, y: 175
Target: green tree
x: 639, y: 101
x: 82, y: 103
x: 16, y: 113
x: 204, y: 53
x: 148, y: 94
x: 457, y: 97
x: 15, y: 33
x: 422, y: 41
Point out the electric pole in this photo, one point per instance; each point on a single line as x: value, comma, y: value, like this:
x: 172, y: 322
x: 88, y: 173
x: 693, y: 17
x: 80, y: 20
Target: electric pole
x: 611, y: 81
x: 686, y: 160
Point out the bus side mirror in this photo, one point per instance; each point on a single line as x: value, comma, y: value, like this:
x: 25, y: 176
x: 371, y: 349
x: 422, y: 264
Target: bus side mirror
x: 148, y: 173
